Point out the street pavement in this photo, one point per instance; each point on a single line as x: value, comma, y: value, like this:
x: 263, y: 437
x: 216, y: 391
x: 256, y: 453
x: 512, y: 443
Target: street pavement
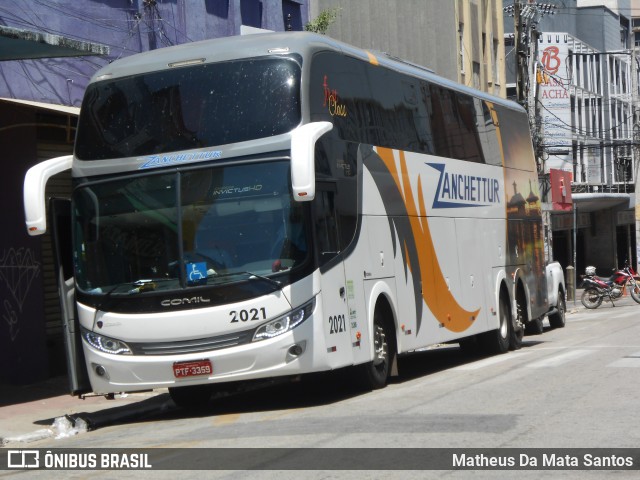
x: 45, y: 410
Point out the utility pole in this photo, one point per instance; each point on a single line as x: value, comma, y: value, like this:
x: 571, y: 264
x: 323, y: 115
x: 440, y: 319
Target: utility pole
x: 526, y: 17
x: 520, y: 54
x: 636, y: 139
x: 526, y: 34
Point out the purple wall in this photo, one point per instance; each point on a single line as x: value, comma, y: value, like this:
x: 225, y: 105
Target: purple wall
x: 127, y: 27
x: 23, y: 352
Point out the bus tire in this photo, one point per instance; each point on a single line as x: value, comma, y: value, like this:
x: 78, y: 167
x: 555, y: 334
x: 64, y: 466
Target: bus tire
x: 518, y: 324
x: 191, y: 397
x: 497, y: 341
x: 375, y: 374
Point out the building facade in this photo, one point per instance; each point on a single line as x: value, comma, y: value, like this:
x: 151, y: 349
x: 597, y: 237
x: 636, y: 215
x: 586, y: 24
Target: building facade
x: 481, y: 60
x: 583, y: 88
x: 462, y: 40
x: 126, y: 27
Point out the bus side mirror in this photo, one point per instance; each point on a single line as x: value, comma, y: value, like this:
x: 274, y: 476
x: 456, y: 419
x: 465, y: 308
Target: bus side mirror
x: 303, y: 171
x: 35, y: 182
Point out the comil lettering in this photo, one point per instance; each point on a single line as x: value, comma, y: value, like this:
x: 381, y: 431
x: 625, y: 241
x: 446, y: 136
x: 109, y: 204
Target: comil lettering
x: 173, y: 302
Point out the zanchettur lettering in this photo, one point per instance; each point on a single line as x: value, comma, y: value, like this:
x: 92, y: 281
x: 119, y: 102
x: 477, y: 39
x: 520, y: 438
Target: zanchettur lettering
x: 172, y: 302
x: 470, y: 188
x: 460, y: 190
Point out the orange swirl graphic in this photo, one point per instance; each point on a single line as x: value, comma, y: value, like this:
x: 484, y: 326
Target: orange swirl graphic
x: 435, y: 291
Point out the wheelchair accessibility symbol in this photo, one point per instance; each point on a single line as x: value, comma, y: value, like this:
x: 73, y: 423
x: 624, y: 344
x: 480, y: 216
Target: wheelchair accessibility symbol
x: 197, y: 273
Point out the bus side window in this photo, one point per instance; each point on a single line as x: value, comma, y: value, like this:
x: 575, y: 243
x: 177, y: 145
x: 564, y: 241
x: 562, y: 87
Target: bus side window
x: 326, y: 224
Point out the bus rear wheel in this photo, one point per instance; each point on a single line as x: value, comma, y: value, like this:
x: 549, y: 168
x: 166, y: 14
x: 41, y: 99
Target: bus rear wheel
x: 521, y: 319
x: 497, y: 341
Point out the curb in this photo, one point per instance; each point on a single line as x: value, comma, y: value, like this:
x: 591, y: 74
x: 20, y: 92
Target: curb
x: 19, y: 418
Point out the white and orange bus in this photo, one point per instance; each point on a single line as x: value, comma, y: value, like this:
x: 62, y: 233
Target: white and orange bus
x: 278, y: 204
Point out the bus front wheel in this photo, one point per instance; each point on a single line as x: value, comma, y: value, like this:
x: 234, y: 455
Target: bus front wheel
x: 375, y: 374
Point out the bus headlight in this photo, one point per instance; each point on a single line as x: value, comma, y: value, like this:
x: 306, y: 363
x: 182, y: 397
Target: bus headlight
x: 105, y: 344
x: 285, y: 323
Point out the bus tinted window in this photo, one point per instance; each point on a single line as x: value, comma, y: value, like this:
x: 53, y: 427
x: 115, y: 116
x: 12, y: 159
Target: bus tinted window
x: 378, y: 106
x: 188, y: 108
x: 455, y: 125
x: 516, y: 140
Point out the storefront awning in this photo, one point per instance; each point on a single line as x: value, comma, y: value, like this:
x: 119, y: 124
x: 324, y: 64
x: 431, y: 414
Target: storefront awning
x: 47, y: 106
x: 591, y: 202
x: 21, y: 44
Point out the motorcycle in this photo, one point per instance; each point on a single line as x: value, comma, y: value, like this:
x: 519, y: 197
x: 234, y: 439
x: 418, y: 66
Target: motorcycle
x: 598, y: 289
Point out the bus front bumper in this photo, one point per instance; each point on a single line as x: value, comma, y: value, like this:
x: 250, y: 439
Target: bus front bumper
x: 291, y: 353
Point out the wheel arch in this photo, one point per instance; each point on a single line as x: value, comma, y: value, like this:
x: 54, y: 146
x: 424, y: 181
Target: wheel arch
x: 502, y: 291
x: 561, y: 291
x: 514, y: 283
x: 522, y: 294
x: 381, y: 298
x: 520, y: 291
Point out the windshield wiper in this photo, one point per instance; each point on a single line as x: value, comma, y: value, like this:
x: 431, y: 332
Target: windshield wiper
x: 104, y: 301
x: 267, y: 279
x: 147, y: 284
x: 252, y: 276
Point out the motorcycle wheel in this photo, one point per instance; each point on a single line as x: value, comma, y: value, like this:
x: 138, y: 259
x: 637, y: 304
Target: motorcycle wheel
x: 591, y: 298
x: 634, y: 290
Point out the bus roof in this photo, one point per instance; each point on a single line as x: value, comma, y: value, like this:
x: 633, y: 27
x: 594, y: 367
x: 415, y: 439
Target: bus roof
x: 256, y: 45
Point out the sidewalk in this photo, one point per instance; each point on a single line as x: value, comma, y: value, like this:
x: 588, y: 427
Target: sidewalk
x: 571, y: 308
x: 46, y: 410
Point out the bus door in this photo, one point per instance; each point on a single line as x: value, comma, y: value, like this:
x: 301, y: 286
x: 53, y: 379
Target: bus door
x: 335, y: 305
x: 60, y: 212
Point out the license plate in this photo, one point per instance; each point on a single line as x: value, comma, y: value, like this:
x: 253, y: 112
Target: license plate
x: 192, y: 369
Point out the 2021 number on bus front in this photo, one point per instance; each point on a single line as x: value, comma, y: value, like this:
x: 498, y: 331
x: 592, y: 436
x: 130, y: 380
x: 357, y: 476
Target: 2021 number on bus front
x: 337, y: 324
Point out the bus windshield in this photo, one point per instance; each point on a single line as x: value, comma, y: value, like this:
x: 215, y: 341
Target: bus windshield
x: 189, y: 108
x: 207, y: 226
